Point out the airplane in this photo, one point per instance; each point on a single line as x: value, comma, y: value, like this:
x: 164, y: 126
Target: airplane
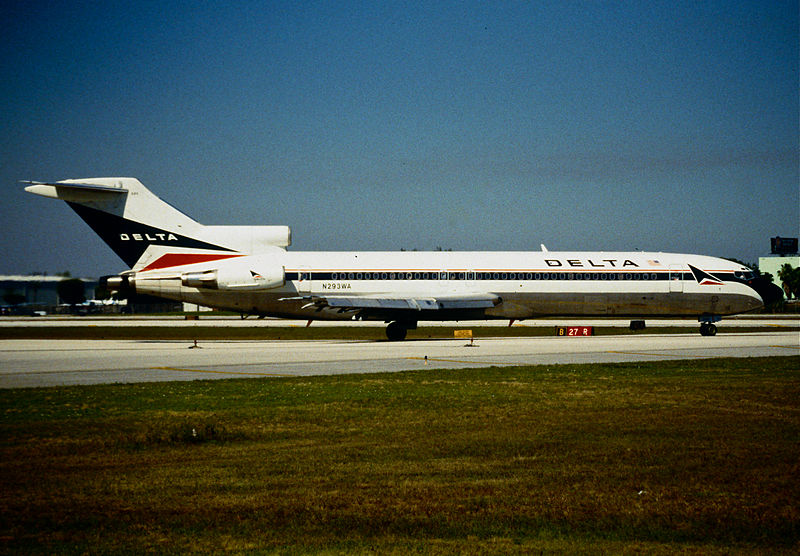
x: 248, y: 269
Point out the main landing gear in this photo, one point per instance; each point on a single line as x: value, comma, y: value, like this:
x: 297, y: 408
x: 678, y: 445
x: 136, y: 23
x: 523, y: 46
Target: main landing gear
x: 707, y: 326
x: 396, y: 331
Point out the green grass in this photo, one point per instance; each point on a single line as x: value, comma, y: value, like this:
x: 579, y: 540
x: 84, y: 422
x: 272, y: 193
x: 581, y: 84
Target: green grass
x: 696, y: 456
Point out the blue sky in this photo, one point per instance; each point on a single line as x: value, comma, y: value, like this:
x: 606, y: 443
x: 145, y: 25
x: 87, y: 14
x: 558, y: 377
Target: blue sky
x: 667, y: 126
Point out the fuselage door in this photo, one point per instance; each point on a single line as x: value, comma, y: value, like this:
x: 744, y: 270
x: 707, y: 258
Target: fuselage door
x: 304, y: 280
x: 675, y: 278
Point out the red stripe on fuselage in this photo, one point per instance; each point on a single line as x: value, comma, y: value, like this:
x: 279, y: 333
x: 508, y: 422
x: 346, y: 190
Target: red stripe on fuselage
x: 180, y: 259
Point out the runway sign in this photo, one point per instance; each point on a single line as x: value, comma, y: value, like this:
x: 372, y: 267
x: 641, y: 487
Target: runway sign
x: 574, y: 331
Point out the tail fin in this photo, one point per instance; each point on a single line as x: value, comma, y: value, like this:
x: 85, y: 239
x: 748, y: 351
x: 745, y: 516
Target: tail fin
x: 148, y: 233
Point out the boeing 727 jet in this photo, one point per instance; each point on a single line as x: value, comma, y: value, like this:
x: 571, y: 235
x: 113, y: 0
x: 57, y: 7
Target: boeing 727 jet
x: 248, y: 269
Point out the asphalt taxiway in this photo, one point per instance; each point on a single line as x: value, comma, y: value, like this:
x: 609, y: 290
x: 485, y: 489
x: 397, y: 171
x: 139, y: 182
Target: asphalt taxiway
x: 217, y: 321
x: 37, y: 363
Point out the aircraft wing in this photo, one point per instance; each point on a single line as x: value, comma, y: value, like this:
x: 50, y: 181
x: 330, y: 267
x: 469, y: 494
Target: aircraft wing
x: 380, y: 303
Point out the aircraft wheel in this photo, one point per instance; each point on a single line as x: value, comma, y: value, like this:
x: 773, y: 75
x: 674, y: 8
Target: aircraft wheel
x: 396, y: 331
x: 708, y: 329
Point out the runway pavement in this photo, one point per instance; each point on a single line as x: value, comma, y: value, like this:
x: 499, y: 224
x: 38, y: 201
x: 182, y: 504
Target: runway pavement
x: 36, y: 363
x: 237, y: 322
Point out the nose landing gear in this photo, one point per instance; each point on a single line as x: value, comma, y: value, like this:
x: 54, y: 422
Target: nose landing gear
x: 708, y: 329
x: 707, y: 326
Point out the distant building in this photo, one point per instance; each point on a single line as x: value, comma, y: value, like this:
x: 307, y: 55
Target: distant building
x: 40, y: 290
x: 773, y: 265
x: 40, y: 293
x: 784, y: 251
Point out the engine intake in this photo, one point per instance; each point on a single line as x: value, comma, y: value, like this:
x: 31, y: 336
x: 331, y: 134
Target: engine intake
x: 116, y: 283
x: 251, y: 239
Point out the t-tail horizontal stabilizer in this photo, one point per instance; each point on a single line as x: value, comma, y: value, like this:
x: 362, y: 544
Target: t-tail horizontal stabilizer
x: 148, y: 233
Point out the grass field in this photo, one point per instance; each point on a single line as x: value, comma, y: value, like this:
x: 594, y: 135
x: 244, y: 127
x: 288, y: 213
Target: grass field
x: 694, y: 456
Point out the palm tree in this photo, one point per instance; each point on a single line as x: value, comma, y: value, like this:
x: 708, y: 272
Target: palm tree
x: 790, y: 280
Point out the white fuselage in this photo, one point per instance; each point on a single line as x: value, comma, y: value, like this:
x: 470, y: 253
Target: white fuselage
x: 527, y: 284
x: 248, y: 269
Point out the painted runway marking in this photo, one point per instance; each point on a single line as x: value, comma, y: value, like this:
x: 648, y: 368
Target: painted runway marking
x: 250, y: 373
x: 786, y: 347
x: 661, y: 354
x: 455, y: 361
